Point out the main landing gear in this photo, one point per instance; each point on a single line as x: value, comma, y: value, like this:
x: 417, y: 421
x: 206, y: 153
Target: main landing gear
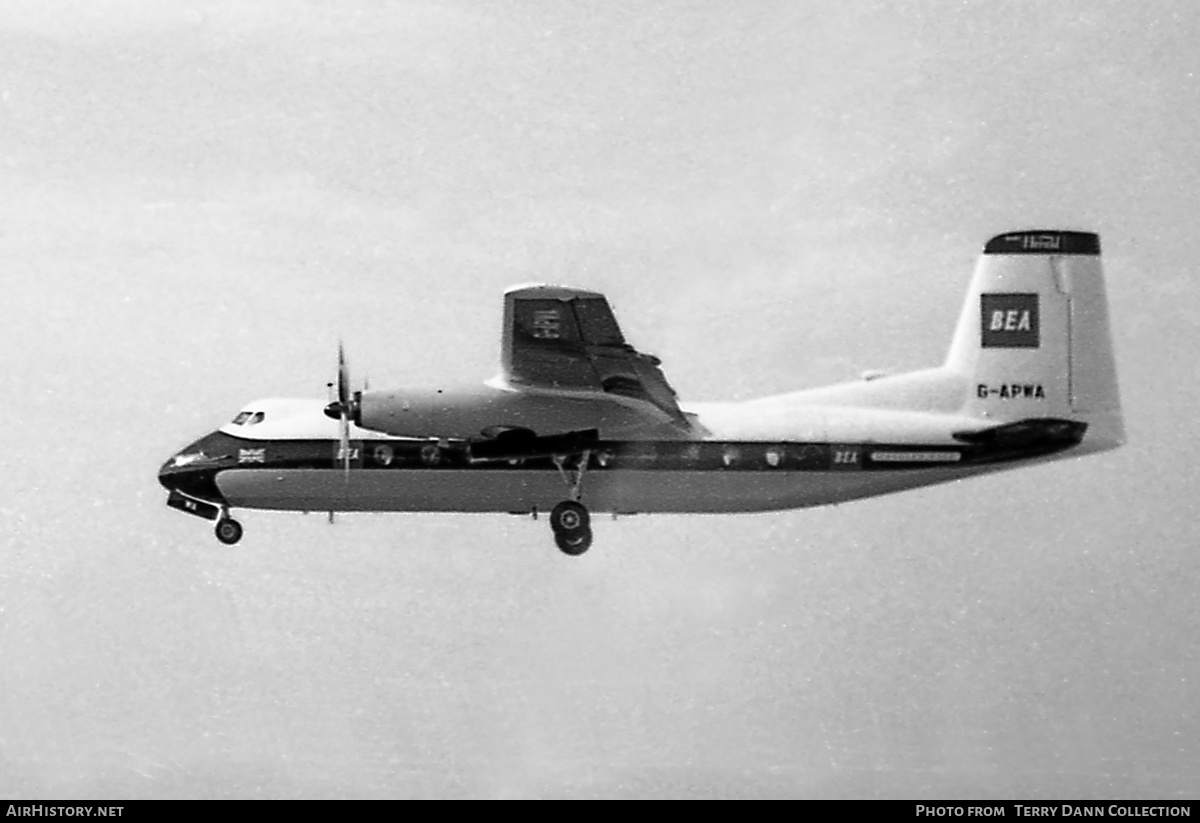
x: 569, y: 520
x: 228, y: 530
x: 572, y: 529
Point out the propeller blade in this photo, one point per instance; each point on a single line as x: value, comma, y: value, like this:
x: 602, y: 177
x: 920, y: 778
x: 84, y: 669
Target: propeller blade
x: 343, y: 377
x: 346, y: 443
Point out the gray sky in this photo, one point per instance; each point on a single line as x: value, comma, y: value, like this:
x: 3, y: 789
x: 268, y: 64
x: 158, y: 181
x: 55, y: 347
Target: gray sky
x: 202, y: 197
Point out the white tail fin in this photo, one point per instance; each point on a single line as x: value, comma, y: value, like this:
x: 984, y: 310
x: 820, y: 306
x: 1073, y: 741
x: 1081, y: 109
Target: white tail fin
x: 1033, y: 339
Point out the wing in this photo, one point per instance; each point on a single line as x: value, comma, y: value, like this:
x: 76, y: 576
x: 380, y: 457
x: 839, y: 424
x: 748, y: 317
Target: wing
x: 568, y: 339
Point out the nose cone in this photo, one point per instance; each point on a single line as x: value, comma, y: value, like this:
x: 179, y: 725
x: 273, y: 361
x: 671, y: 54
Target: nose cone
x: 193, y: 470
x: 164, y: 474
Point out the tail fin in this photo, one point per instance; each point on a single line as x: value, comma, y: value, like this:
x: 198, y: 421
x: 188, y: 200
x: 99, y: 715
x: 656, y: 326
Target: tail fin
x: 1033, y: 339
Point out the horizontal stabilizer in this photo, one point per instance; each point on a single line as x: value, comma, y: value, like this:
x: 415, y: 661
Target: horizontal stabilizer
x: 1037, y: 431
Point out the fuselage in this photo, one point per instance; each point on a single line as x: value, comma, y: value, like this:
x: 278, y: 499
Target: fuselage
x: 775, y: 453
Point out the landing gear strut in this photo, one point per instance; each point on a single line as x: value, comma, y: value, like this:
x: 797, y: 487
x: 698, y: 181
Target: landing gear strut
x: 569, y: 520
x: 228, y: 530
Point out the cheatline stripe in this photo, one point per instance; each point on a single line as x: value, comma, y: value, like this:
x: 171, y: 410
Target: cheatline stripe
x: 916, y: 457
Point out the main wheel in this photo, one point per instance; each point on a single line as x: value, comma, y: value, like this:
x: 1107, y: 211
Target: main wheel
x: 228, y: 531
x: 574, y: 544
x: 569, y: 518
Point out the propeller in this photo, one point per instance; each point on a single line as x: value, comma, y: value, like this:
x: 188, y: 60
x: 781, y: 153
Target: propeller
x: 343, y: 394
x: 341, y: 408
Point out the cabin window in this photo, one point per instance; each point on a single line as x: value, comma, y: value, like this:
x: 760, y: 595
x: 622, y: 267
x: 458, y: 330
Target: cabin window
x: 242, y: 418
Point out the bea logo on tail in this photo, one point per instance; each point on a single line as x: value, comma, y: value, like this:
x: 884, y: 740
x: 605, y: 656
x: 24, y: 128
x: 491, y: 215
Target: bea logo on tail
x: 1009, y: 320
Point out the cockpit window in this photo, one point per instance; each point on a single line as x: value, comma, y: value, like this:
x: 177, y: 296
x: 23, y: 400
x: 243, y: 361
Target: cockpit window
x: 248, y: 418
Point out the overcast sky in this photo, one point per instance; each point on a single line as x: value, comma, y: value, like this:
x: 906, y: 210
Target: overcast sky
x: 200, y: 198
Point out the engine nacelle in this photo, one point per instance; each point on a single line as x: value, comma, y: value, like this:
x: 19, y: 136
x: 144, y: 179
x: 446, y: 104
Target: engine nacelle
x: 475, y: 412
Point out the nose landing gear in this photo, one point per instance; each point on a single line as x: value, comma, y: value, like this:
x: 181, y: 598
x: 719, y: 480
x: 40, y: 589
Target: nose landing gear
x: 228, y: 530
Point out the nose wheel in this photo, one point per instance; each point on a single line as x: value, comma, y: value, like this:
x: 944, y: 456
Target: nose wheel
x: 228, y: 530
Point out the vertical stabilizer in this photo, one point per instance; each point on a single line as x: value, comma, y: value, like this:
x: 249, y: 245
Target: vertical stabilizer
x: 1033, y: 338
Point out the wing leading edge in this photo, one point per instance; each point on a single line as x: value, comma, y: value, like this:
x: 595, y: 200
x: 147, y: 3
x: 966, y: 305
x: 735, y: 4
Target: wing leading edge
x: 568, y: 339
